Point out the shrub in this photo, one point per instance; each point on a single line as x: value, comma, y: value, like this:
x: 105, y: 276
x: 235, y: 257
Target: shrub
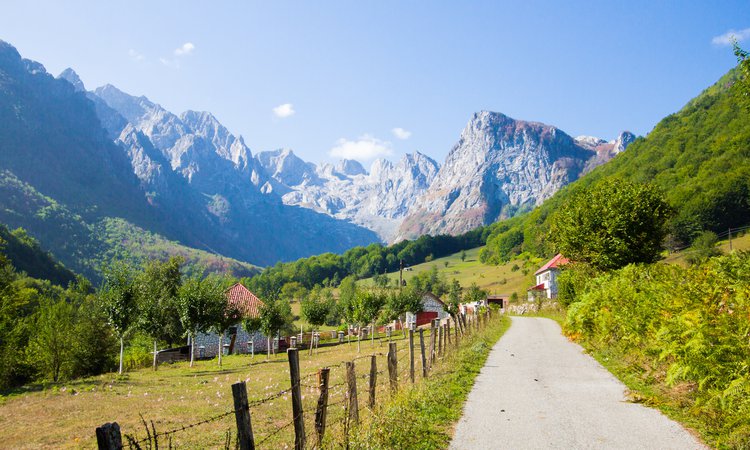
x: 684, y: 325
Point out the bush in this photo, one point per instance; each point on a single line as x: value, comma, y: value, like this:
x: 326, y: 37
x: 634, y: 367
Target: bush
x: 703, y: 248
x: 694, y: 332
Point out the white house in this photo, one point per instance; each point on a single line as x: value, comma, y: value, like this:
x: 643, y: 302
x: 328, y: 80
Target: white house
x: 432, y: 308
x: 546, y: 278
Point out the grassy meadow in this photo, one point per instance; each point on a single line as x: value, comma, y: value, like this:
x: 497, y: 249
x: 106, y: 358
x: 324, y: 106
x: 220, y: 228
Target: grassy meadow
x: 513, y: 277
x: 65, y: 415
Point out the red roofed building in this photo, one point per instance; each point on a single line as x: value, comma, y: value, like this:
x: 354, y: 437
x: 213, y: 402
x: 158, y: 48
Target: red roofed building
x: 237, y: 339
x: 546, y: 278
x: 244, y: 300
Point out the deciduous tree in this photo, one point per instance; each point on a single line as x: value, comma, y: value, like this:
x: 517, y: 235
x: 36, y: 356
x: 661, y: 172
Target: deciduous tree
x: 611, y: 224
x: 200, y: 302
x: 118, y: 298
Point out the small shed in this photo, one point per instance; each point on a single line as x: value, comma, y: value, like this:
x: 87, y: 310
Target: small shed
x: 236, y: 337
x: 500, y: 300
x: 432, y: 308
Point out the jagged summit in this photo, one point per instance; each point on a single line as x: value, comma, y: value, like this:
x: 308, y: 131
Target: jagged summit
x: 350, y: 167
x: 72, y: 77
x: 498, y: 167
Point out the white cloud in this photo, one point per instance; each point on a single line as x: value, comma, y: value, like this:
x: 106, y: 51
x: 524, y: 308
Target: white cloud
x: 401, y: 133
x: 134, y: 55
x: 730, y: 36
x: 170, y: 62
x: 365, y: 148
x: 186, y: 49
x: 284, y: 111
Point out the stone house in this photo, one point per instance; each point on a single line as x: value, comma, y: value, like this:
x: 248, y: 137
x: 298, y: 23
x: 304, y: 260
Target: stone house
x: 236, y: 339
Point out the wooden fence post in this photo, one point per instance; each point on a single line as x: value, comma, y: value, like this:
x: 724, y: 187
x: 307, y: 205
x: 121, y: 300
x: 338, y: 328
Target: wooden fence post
x: 351, y: 382
x: 424, y: 358
x: 411, y: 355
x: 393, y: 366
x: 373, y: 380
x: 448, y: 331
x: 299, y: 420
x: 245, y: 439
x: 321, y: 412
x: 108, y: 437
x: 433, y: 337
x: 439, y: 339
x: 457, y: 327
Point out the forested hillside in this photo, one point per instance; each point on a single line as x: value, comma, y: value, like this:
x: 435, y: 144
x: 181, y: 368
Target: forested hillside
x: 699, y: 157
x: 27, y: 256
x: 85, y: 246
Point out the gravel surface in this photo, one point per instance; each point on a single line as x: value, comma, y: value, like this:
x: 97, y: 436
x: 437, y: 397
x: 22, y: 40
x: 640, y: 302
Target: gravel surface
x: 540, y: 391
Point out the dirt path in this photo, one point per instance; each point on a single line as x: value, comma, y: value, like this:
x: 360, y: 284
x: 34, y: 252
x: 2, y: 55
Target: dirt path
x: 540, y: 391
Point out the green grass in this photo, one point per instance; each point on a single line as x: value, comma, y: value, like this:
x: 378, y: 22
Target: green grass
x: 424, y: 417
x: 500, y: 280
x: 65, y: 415
x: 738, y: 243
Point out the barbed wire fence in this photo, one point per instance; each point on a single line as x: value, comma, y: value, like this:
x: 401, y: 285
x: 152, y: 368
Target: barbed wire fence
x: 333, y: 396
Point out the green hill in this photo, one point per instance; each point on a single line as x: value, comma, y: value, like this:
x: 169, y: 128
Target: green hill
x: 27, y: 256
x: 85, y: 245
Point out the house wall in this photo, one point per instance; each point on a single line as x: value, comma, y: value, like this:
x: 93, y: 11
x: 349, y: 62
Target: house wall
x: 429, y: 304
x: 211, y: 342
x: 549, y: 279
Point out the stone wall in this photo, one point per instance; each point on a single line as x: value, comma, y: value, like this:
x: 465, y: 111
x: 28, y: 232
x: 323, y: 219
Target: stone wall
x: 211, y: 342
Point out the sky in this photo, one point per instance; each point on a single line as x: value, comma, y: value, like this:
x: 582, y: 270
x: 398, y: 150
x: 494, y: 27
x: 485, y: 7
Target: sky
x: 366, y: 79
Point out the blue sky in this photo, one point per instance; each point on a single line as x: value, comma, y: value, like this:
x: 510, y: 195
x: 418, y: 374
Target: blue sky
x: 368, y: 78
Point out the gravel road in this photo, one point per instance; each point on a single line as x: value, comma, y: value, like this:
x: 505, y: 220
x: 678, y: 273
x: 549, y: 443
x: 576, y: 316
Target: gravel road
x: 540, y: 391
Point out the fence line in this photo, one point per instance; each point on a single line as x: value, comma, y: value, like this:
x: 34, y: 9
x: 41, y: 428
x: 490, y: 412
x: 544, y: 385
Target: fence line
x: 331, y: 396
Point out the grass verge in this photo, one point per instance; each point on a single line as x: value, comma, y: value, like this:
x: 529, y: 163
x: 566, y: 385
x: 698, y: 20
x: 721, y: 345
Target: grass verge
x: 424, y: 416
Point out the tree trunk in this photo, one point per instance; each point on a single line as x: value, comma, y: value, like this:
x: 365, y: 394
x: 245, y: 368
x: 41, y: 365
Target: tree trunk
x: 122, y: 351
x: 192, y: 349
x: 359, y: 338
x: 221, y: 347
x: 372, y: 334
x: 154, y: 354
x: 268, y: 346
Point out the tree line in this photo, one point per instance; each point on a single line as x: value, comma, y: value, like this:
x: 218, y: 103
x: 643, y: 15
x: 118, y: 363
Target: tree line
x: 330, y: 269
x: 52, y: 333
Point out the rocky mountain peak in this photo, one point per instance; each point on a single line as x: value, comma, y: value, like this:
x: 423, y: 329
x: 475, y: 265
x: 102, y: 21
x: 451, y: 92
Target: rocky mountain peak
x: 350, y: 167
x: 589, y: 142
x: 499, y: 166
x: 72, y: 77
x: 286, y: 167
x: 623, y: 140
x: 132, y: 108
x: 228, y: 146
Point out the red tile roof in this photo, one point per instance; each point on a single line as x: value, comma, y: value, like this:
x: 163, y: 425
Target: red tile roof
x: 248, y: 304
x: 554, y: 263
x: 538, y: 287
